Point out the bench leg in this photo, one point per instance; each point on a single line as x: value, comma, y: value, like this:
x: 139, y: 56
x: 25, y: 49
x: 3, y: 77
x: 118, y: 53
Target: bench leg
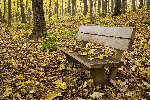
x: 99, y: 76
x: 113, y: 71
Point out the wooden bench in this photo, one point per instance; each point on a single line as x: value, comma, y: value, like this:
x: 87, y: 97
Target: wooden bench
x: 119, y: 38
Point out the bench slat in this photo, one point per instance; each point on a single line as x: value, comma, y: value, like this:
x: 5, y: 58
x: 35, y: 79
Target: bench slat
x: 117, y: 43
x: 120, y: 32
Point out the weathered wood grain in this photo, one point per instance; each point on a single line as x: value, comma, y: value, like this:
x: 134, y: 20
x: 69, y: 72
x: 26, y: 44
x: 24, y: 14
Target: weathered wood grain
x: 120, y: 32
x: 116, y: 43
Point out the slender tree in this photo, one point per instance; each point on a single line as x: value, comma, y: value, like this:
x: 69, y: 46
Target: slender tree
x: 26, y: 4
x: 49, y: 10
x: 123, y: 6
x: 73, y: 7
x: 99, y: 6
x: 9, y: 13
x: 85, y: 7
x: 126, y: 4
x: 0, y: 15
x: 141, y: 4
x: 17, y: 13
x: 69, y: 7
x: 57, y: 9
x: 91, y: 11
x: 105, y: 6
x: 112, y: 6
x: 148, y: 4
x: 62, y: 7
x: 22, y: 12
x: 29, y: 14
x: 3, y: 19
x: 133, y: 5
x: 117, y: 8
x: 38, y: 19
x: 95, y: 5
x: 108, y: 6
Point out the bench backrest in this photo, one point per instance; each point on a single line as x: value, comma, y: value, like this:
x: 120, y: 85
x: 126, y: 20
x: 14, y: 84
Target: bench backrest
x: 119, y: 38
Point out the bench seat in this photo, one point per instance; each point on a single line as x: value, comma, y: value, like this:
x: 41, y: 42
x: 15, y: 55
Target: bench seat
x: 95, y: 63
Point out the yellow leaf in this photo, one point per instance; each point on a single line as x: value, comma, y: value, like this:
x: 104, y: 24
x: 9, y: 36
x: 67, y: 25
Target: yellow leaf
x: 70, y: 51
x: 100, y: 56
x: 62, y: 66
x: 97, y: 95
x: 63, y: 85
x: 90, y: 58
x: 83, y: 54
x: 113, y: 95
x: 51, y: 96
x: 28, y: 81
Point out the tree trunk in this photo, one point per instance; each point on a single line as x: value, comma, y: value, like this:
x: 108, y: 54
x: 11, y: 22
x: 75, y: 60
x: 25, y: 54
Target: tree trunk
x: 108, y: 6
x: 57, y: 9
x: 73, y: 7
x: 49, y: 11
x: 112, y: 7
x: 99, y: 6
x: 117, y: 8
x: 9, y: 13
x: 91, y: 11
x: 26, y: 4
x: 3, y: 19
x: 29, y: 15
x: 22, y: 12
x: 133, y: 5
x: 39, y: 20
x: 85, y: 7
x: 105, y: 6
x: 148, y: 4
x: 123, y: 6
x: 62, y: 7
x: 69, y: 7
x: 0, y: 16
x: 95, y: 5
x: 141, y: 4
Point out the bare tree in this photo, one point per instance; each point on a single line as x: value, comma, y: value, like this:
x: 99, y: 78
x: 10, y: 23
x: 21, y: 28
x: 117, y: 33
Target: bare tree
x: 26, y: 4
x: 141, y: 4
x: 85, y: 7
x: 123, y: 6
x: 39, y: 20
x: 112, y: 6
x: 148, y: 4
x: 105, y: 6
x: 9, y: 13
x: 99, y: 6
x: 22, y: 12
x: 3, y: 17
x: 117, y: 8
x: 49, y: 10
x: 62, y: 7
x: 73, y: 7
x: 108, y: 6
x: 95, y: 5
x: 69, y: 7
x: 133, y: 5
x: 91, y: 11
x: 57, y: 9
x: 17, y: 13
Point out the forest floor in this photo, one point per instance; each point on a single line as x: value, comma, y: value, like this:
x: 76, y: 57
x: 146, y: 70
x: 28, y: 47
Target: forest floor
x: 27, y: 71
